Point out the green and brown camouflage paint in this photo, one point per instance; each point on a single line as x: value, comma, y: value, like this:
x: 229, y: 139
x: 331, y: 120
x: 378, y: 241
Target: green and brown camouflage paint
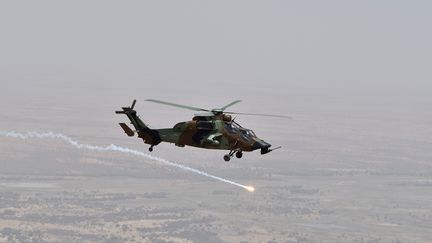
x: 218, y: 131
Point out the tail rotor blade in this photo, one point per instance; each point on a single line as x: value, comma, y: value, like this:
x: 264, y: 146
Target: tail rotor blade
x: 133, y: 104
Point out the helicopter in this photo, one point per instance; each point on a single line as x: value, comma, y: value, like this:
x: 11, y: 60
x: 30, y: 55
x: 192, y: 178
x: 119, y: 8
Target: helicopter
x: 208, y: 129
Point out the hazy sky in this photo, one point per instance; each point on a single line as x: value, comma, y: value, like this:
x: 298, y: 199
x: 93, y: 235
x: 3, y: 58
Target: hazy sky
x: 223, y: 50
x: 355, y: 163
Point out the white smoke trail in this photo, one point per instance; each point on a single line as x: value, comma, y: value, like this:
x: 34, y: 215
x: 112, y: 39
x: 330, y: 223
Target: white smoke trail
x: 113, y: 147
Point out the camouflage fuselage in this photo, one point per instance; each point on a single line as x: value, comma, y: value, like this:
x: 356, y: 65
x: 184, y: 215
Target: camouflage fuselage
x: 209, y: 132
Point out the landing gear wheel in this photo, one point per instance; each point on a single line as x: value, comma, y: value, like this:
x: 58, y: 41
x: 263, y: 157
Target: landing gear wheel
x: 227, y: 157
x: 239, y: 154
x: 151, y: 149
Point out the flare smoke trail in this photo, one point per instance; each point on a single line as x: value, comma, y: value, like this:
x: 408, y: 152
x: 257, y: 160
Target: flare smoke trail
x: 113, y: 147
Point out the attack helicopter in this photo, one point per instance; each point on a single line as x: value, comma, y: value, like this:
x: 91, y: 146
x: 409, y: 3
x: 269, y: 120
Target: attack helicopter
x: 208, y: 129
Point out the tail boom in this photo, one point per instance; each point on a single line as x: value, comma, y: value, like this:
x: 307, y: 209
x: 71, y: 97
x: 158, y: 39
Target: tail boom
x: 149, y: 136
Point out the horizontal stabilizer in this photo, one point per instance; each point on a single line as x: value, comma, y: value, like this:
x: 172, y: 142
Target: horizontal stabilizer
x: 127, y: 130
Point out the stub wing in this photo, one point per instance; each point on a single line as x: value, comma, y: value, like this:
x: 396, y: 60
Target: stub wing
x: 213, y: 138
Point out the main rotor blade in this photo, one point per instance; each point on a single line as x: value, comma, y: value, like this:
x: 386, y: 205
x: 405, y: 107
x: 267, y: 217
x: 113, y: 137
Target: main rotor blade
x: 177, y: 105
x: 230, y: 104
x: 204, y: 114
x: 258, y: 114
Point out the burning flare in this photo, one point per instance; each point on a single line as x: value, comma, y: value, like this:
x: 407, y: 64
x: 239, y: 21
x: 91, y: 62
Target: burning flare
x: 250, y: 188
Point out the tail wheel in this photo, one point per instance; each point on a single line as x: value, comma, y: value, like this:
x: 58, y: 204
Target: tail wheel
x: 151, y: 149
x: 239, y: 154
x: 227, y: 157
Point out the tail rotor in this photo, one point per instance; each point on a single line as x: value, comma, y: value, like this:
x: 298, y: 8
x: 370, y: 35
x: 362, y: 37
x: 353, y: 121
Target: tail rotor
x: 127, y: 109
x: 133, y: 104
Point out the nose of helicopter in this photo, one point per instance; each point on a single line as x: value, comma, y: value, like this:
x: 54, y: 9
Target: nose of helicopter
x: 264, y: 146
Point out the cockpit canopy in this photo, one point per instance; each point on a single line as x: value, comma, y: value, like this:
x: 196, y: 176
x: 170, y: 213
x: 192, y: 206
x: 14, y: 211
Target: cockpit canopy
x: 245, y: 134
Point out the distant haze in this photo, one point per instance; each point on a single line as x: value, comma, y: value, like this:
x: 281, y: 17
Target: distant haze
x: 218, y: 51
